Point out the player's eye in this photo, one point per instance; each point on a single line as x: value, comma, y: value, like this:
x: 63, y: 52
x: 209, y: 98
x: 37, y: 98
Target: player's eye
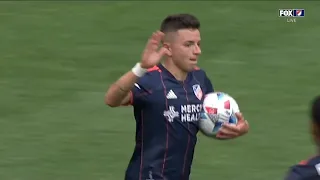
x: 189, y: 44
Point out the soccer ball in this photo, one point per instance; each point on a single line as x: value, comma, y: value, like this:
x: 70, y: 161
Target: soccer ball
x: 218, y: 108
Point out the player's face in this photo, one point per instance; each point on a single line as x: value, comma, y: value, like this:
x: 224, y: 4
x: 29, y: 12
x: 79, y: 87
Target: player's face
x: 185, y: 49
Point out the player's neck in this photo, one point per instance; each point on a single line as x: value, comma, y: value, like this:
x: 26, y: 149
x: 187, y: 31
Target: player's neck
x: 175, y: 71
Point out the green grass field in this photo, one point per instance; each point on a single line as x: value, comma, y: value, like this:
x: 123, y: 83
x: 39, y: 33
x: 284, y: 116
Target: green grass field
x: 57, y: 59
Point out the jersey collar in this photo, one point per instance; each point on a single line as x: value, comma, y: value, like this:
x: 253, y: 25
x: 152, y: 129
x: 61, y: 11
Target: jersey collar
x: 168, y: 74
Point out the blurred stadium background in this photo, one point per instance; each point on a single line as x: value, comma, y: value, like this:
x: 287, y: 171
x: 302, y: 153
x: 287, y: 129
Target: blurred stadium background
x: 58, y: 58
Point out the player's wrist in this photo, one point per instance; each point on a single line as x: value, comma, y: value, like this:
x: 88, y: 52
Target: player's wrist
x: 138, y: 70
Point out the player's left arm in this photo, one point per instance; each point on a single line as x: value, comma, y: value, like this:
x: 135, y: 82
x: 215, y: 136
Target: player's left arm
x: 292, y: 175
x: 230, y: 131
x: 301, y: 171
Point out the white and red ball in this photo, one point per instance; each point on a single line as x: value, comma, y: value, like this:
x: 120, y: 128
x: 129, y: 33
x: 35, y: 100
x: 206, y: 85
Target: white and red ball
x: 218, y: 108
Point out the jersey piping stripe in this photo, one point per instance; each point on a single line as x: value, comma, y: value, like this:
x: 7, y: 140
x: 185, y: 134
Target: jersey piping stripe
x: 167, y: 126
x: 141, y: 151
x: 154, y: 68
x: 188, y: 144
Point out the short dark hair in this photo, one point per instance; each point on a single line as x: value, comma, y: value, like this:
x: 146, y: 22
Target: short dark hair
x: 315, y: 110
x: 177, y: 22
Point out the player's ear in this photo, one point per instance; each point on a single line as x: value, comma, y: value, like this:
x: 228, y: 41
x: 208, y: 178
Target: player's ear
x: 167, y: 46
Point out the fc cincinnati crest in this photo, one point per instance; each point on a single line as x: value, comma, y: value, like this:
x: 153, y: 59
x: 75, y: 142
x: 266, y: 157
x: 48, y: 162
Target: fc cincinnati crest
x: 197, y: 91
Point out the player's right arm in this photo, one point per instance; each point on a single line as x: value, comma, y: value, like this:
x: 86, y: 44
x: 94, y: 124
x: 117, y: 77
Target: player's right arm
x: 119, y: 92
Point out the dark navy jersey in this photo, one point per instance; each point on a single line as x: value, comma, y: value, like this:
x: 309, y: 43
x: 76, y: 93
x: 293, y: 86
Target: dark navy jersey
x: 305, y: 170
x: 167, y: 113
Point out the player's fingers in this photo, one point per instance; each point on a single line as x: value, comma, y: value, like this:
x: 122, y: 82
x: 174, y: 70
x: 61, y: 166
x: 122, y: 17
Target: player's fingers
x: 159, y: 36
x: 155, y: 39
x: 243, y: 124
x: 230, y: 127
x: 228, y: 132
x: 239, y: 116
x: 224, y: 136
x: 152, y: 42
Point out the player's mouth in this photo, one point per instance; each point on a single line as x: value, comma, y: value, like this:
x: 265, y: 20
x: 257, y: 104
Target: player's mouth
x: 194, y: 60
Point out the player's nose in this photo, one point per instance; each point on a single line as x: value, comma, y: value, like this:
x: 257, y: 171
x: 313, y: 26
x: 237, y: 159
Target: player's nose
x: 197, y: 50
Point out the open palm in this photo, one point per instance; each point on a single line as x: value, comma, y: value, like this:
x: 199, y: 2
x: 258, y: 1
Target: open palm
x: 151, y: 55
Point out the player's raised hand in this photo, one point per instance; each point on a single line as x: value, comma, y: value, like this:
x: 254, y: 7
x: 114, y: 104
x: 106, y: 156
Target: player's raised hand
x: 152, y: 54
x: 229, y: 131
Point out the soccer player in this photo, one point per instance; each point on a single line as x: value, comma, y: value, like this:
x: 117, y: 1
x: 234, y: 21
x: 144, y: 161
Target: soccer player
x: 309, y: 169
x: 167, y: 98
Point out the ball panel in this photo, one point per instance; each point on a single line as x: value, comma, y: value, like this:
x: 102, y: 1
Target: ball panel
x: 220, y: 95
x: 206, y: 125
x: 233, y: 119
x: 216, y: 127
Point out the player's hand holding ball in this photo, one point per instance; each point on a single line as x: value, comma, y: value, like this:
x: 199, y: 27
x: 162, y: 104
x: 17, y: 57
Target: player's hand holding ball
x: 221, y: 117
x: 229, y: 131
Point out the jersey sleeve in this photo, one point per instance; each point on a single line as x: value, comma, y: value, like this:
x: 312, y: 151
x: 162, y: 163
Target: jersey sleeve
x: 140, y: 91
x: 300, y: 172
x: 208, y: 84
x: 292, y: 174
